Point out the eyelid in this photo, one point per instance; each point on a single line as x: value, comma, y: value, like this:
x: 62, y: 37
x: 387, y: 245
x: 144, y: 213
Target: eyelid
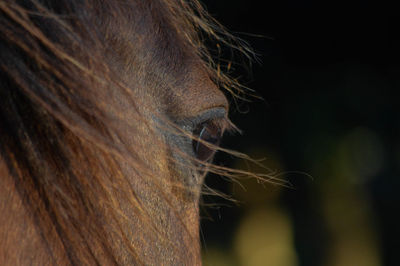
x: 214, y: 114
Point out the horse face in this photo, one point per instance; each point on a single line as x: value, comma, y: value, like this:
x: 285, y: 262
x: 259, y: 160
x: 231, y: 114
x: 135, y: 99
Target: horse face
x: 99, y: 104
x: 173, y: 85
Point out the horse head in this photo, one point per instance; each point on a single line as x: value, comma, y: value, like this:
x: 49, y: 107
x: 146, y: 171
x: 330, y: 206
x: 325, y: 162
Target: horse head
x: 110, y: 112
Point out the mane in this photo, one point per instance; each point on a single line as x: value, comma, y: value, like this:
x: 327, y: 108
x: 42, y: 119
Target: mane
x: 60, y: 143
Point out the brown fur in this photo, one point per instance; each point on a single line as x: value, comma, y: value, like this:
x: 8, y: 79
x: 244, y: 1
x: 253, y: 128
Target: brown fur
x: 92, y: 94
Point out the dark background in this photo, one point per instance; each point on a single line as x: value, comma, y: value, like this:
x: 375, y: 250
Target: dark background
x: 329, y: 124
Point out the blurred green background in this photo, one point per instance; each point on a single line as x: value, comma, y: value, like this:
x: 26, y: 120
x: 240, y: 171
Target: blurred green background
x: 329, y: 125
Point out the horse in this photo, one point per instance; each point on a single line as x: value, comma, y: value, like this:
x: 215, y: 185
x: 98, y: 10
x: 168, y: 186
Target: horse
x: 110, y: 113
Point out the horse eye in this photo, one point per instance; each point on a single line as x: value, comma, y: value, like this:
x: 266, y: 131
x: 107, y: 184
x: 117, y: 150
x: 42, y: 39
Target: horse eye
x: 207, y: 132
